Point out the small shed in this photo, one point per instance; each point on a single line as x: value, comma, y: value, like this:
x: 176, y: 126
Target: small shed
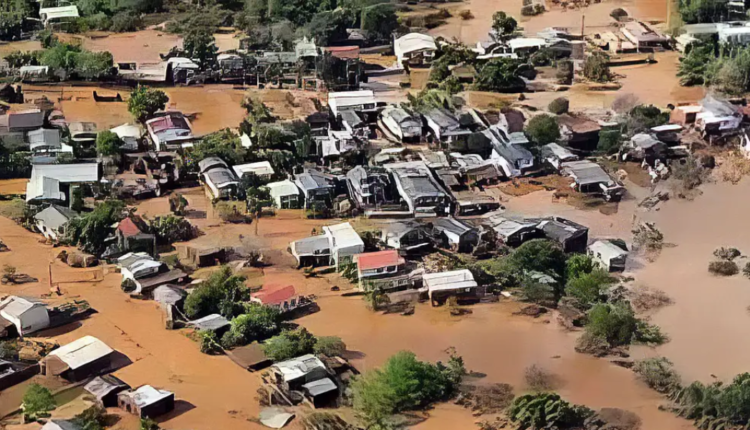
x: 611, y: 256
x: 572, y: 236
x: 455, y: 235
x: 105, y: 389
x: 215, y: 322
x: 286, y: 194
x: 250, y: 357
x: 51, y: 221
x: 78, y: 360
x: 293, y: 374
x: 513, y: 232
x: 458, y: 283
x: 27, y: 315
x: 169, y: 295
x: 321, y: 392
x: 146, y: 401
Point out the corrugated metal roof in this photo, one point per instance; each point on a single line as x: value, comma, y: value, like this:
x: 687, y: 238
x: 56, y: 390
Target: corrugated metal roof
x: 343, y: 235
x: 82, y: 351
x: 259, y: 168
x: 146, y: 395
x: 55, y: 216
x: 283, y: 188
x: 68, y: 173
x: 380, y: 259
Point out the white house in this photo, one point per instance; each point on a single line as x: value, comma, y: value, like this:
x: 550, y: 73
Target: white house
x: 351, y: 101
x: 609, y: 255
x: 285, y: 194
x: 445, y: 284
x: 344, y: 242
x: 51, y: 221
x: 262, y: 169
x: 27, y: 315
x: 40, y: 187
x: 51, y: 15
x: 415, y: 49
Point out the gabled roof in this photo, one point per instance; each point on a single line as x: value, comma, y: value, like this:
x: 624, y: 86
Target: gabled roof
x: 380, y: 259
x: 55, y: 216
x: 105, y: 384
x: 400, y: 228
x: 313, y: 180
x: 452, y: 225
x: 146, y: 395
x: 44, y: 137
x: 259, y: 168
x: 607, y: 249
x: 17, y: 306
x: 81, y: 352
x: 586, y: 172
x: 211, y: 162
x: 67, y: 173
x: 506, y: 227
x: 560, y: 229
x: 210, y: 322
x: 131, y: 226
x: 275, y: 296
x: 413, y: 42
x: 343, y: 235
x: 283, y: 188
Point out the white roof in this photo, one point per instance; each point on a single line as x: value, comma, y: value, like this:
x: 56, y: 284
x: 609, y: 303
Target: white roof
x: 184, y: 63
x: 666, y: 127
x: 82, y: 351
x: 146, y: 395
x: 16, y: 306
x: 59, y: 12
x: 259, y: 168
x: 526, y: 42
x: 343, y: 236
x: 42, y: 187
x: 344, y: 99
x: 454, y: 280
x: 607, y: 249
x: 67, y: 173
x: 298, y: 367
x: 413, y: 42
x: 128, y: 130
x: 283, y: 188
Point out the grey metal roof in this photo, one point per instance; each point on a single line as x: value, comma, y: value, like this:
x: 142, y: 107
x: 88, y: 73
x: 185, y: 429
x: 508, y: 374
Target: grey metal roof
x: 560, y: 229
x: 61, y: 425
x: 221, y: 176
x: 321, y: 386
x: 718, y: 107
x: 586, y: 172
x: 644, y: 140
x: 510, y: 151
x: 103, y: 385
x: 210, y: 162
x: 44, y: 137
x: 443, y: 118
x: 313, y: 180
x: 399, y: 229
x: 211, y: 322
x: 55, y: 216
x: 350, y: 117
x: 25, y: 120
x: 452, y: 225
x: 314, y: 245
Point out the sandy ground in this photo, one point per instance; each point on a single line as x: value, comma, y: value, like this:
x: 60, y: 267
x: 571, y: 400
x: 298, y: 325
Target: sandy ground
x: 13, y: 186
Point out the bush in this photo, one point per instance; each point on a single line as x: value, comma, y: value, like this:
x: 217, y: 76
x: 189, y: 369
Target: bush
x: 90, y: 230
x: 403, y: 383
x: 723, y: 268
x: 144, y: 102
x: 610, y: 141
x: 596, y: 68
x: 92, y: 418
x: 547, y: 411
x: 565, y: 72
x: 649, y: 334
x: 538, y: 379
x: 169, y: 229
x: 616, y: 323
x: 125, y: 22
x: 222, y: 292
x: 588, y: 288
x: 466, y: 15
x: 559, y: 106
x: 539, y: 255
x: 618, y: 13
x: 108, y: 143
x: 541, y: 293
x: 658, y: 374
x: 149, y: 424
x: 579, y: 264
x: 289, y: 344
x: 257, y: 322
x: 37, y: 402
x: 330, y: 346
x: 543, y: 129
x: 746, y: 270
x: 727, y: 254
x: 209, y: 342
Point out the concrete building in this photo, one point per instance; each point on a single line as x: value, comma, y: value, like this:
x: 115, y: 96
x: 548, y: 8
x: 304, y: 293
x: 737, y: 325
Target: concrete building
x: 26, y: 314
x: 457, y: 283
x: 414, y: 49
x: 78, y: 360
x: 146, y: 401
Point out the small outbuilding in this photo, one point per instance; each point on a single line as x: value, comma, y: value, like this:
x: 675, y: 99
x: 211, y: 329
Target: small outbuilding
x: 285, y: 194
x: 105, y: 389
x: 457, y: 283
x: 611, y: 256
x: 51, y: 221
x: 455, y: 235
x: 146, y: 401
x: 27, y: 315
x: 215, y: 323
x: 78, y: 360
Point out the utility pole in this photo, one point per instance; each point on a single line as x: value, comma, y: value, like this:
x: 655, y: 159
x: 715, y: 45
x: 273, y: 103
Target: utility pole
x: 583, y: 20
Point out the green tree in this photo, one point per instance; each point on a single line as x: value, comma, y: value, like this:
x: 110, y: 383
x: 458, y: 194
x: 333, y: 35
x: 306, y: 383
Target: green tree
x: 579, y: 264
x: 108, y: 143
x: 224, y: 144
x: 540, y: 255
x: 596, y: 67
x: 92, y: 418
x: 644, y: 117
x: 149, y: 424
x: 500, y: 75
x: 257, y: 322
x: 144, y: 102
x: 289, y: 344
x: 330, y: 346
x: 588, y: 288
x: 429, y: 99
x: 559, y: 106
x: 695, y: 66
x: 539, y: 411
x: 380, y: 21
x: 222, y: 292
x: 90, y: 230
x: 169, y: 229
x: 697, y: 11
x: 614, y: 322
x: 403, y: 383
x: 328, y: 26
x: 37, y: 402
x: 76, y: 199
x: 201, y: 45
x: 503, y: 26
x: 610, y: 141
x: 93, y: 65
x: 542, y: 129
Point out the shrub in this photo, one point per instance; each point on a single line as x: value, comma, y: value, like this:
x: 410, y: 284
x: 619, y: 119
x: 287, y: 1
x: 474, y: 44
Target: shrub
x: 543, y: 129
x: 625, y: 103
x: 108, y: 143
x: 89, y: 231
x: 658, y: 374
x: 723, y: 268
x: 610, y: 141
x: 547, y: 410
x: 222, y: 292
x: 588, y: 288
x: 466, y: 15
x: 538, y: 379
x: 149, y: 424
x: 579, y: 264
x: 538, y: 292
x: 92, y: 418
x: 257, y: 322
x: 559, y: 106
x: 289, y: 344
x: 596, y: 68
x: 125, y: 21
x: 144, y: 102
x: 727, y: 254
x: 403, y: 383
x: 649, y: 334
x: 37, y: 402
x: 565, y: 72
x: 746, y: 270
x: 209, y: 342
x: 539, y: 255
x: 169, y: 229
x: 330, y: 346
x: 618, y: 13
x: 616, y: 323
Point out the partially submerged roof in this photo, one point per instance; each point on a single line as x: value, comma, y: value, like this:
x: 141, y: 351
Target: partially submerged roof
x: 644, y: 141
x: 562, y: 154
x: 169, y: 294
x: 50, y: 13
x: 380, y: 259
x: 586, y: 172
x: 452, y: 225
x: 259, y: 168
x: 101, y: 386
x: 132, y: 226
x: 81, y: 352
x: 453, y: 280
x: 313, y: 180
x: 400, y: 228
x: 26, y: 119
x: 606, y: 249
x: 221, y: 177
x: 128, y: 130
x: 561, y: 229
x: 61, y: 425
x: 146, y: 395
x: 343, y: 235
x: 55, y: 216
x: 210, y: 322
x: 506, y: 227
x: 17, y: 306
x: 275, y: 296
x: 299, y: 367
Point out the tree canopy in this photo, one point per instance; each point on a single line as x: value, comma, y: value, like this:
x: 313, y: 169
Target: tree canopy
x: 543, y: 129
x: 108, y: 143
x: 89, y: 230
x: 144, y: 102
x: 503, y: 26
x: 38, y: 401
x: 221, y: 293
x: 500, y: 75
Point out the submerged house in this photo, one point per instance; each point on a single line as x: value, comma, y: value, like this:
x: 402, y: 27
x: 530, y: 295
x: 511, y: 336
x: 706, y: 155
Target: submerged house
x: 336, y: 246
x: 457, y: 283
x: 644, y: 37
x: 571, y: 236
x: 406, y: 236
x: 285, y: 194
x: 590, y: 178
x: 554, y: 155
x: 419, y: 189
x: 368, y: 187
x: 308, y: 376
x: 456, y: 235
x: 132, y: 235
x: 105, y: 389
x: 579, y: 132
x: 609, y: 255
x: 402, y: 124
x: 318, y: 188
x: 146, y: 401
x: 218, y: 177
x: 78, y: 360
x: 384, y: 270
x: 513, y: 232
x: 51, y: 221
x: 170, y: 130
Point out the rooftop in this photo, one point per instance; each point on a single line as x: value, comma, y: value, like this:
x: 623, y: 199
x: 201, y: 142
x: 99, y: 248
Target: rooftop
x: 210, y: 322
x: 275, y: 296
x: 380, y: 259
x: 299, y: 367
x: 81, y: 352
x: 146, y: 395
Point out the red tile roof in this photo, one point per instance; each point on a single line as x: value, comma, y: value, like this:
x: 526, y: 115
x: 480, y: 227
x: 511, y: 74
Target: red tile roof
x: 277, y: 296
x: 376, y: 260
x: 128, y: 227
